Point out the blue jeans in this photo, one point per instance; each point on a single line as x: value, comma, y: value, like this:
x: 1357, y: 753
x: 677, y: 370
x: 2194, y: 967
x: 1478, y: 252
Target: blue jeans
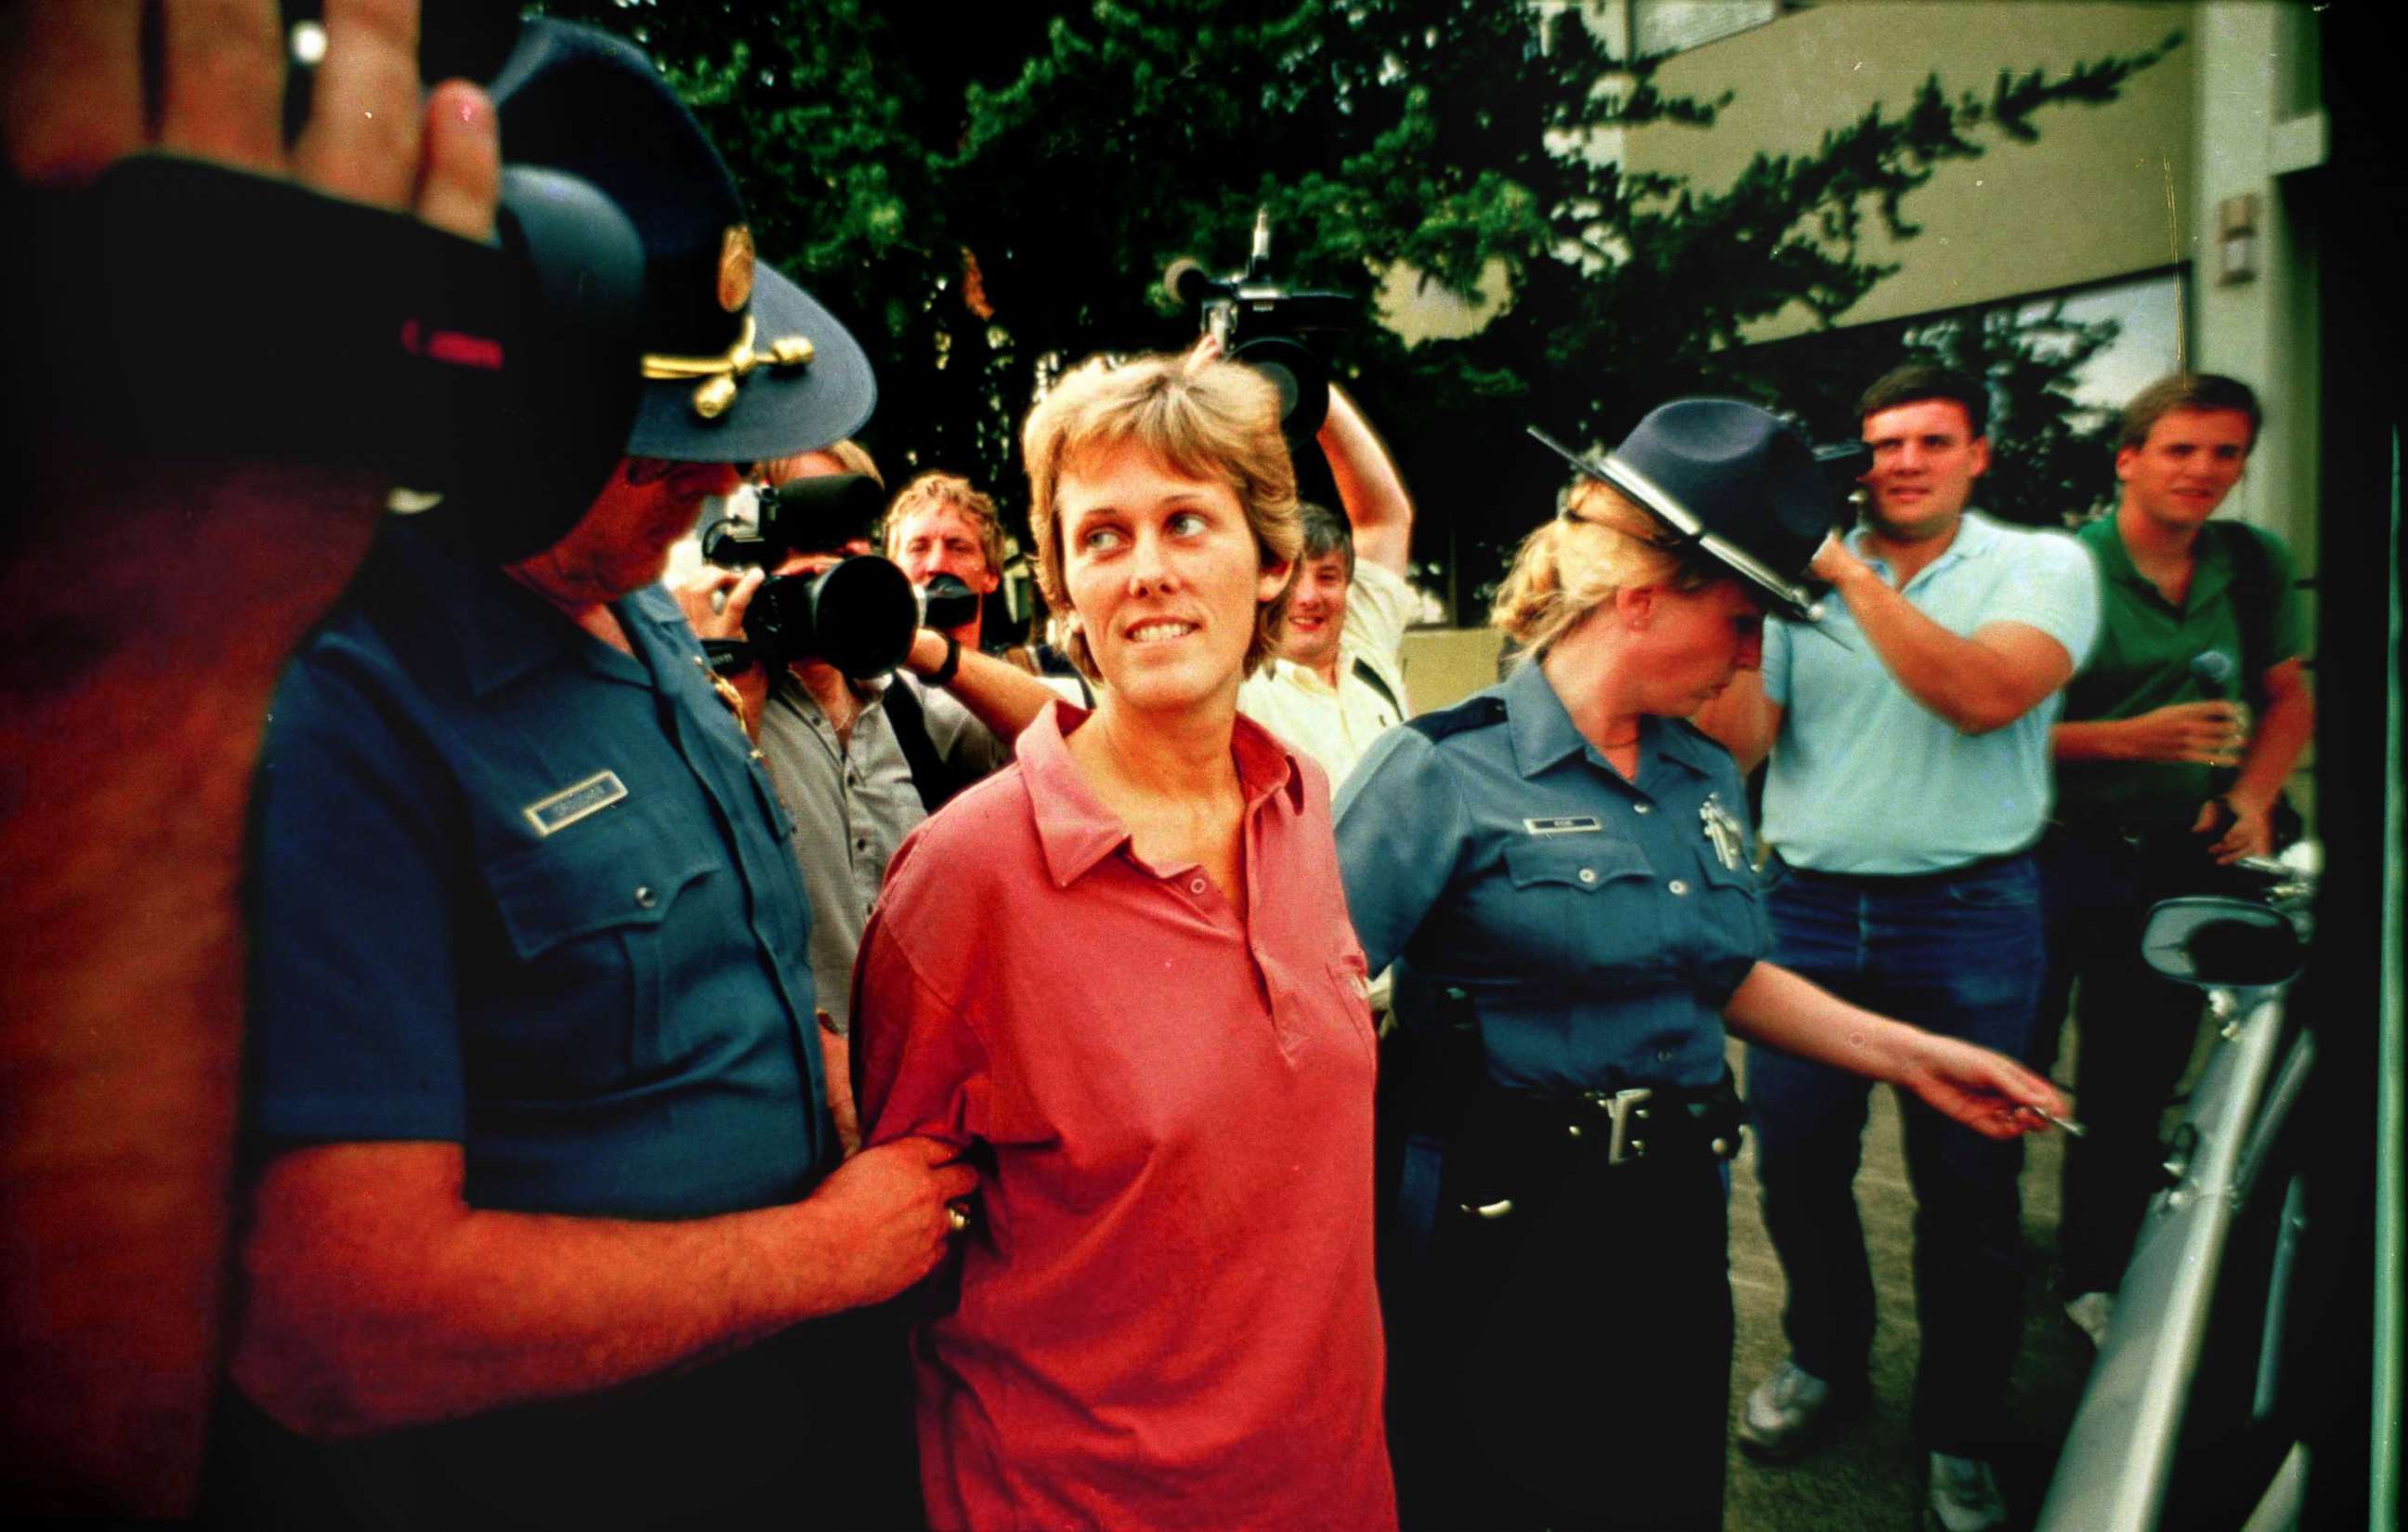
x: 1958, y: 953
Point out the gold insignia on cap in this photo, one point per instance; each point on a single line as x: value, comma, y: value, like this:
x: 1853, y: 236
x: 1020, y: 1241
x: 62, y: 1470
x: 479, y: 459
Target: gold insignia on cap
x: 716, y: 393
x: 735, y: 269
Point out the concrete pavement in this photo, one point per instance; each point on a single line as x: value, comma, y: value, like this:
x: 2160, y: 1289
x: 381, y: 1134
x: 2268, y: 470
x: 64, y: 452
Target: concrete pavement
x: 1868, y: 1476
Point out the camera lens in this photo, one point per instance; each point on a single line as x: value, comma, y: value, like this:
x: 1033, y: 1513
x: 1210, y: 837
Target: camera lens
x: 859, y: 617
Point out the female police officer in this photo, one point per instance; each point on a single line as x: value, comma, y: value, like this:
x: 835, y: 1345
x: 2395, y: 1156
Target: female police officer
x: 1558, y: 869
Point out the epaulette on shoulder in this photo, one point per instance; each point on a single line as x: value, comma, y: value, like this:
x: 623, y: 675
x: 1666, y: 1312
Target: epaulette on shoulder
x: 1477, y: 712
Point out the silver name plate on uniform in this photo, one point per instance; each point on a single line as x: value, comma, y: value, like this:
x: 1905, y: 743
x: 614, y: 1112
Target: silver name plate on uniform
x: 1565, y: 824
x: 571, y: 804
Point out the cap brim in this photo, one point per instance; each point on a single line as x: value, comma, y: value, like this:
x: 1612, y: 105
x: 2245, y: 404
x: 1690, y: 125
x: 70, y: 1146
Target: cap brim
x: 779, y: 411
x: 1788, y: 598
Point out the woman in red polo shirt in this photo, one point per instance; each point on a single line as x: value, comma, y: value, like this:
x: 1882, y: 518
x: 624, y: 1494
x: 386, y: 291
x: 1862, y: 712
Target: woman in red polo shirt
x: 1120, y: 976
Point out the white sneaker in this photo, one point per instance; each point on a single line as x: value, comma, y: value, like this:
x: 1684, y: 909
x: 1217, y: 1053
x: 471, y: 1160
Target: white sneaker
x: 2091, y: 1313
x: 1965, y: 1494
x: 1785, y: 1413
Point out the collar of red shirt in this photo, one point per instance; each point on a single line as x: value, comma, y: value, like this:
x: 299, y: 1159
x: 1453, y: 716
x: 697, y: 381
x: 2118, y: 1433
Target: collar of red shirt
x: 1075, y: 829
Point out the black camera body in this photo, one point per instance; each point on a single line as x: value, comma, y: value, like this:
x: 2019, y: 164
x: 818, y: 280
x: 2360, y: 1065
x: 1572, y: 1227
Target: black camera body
x: 800, y: 516
x: 1265, y: 325
x: 251, y: 318
x: 859, y: 616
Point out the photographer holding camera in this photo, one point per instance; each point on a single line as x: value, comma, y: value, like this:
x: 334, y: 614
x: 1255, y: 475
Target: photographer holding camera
x: 860, y: 748
x: 941, y: 525
x: 1338, y: 682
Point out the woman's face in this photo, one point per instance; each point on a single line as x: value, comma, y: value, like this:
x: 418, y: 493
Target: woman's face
x: 1695, y: 642
x: 1163, y: 573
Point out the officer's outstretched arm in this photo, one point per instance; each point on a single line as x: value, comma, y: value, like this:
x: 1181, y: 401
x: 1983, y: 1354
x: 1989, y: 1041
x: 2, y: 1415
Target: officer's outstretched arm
x: 374, y: 1296
x: 1987, y: 1092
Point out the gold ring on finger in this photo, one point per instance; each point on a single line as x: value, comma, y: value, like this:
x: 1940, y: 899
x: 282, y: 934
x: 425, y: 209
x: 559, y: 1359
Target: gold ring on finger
x: 957, y: 1216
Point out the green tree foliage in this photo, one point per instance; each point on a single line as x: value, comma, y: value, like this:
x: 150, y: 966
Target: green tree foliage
x: 991, y: 192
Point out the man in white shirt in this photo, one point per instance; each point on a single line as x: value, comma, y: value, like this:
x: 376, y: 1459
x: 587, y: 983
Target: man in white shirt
x: 1338, y: 678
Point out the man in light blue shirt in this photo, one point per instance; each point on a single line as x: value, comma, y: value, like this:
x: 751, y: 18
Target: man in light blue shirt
x: 1908, y: 781
x: 1871, y: 777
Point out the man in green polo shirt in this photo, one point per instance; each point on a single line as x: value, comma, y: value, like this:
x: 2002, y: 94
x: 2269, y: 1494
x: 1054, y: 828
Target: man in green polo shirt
x: 2170, y: 758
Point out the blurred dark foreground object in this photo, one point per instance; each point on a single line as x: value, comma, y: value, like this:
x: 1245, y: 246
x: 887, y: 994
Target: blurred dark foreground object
x: 148, y: 596
x: 176, y: 308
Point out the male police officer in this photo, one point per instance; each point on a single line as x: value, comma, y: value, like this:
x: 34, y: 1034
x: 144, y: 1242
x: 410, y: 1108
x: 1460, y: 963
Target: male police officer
x: 536, y: 1088
x: 1908, y: 782
x: 2160, y: 775
x: 1338, y: 681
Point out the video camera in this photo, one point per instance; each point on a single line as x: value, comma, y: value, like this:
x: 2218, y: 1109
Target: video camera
x: 860, y: 615
x: 1263, y: 324
x: 813, y: 515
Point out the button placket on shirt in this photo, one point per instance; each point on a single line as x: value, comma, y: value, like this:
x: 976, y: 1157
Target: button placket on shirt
x: 1278, y: 998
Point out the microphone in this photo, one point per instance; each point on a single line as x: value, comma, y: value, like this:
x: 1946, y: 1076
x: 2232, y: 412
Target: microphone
x: 2214, y: 666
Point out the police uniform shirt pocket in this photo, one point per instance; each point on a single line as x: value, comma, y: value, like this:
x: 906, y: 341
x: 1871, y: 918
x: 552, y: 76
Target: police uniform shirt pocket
x: 1585, y: 863
x: 581, y: 912
x: 1727, y: 932
x: 1585, y: 902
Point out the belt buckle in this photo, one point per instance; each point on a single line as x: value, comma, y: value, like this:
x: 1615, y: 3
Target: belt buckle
x: 1624, y: 1109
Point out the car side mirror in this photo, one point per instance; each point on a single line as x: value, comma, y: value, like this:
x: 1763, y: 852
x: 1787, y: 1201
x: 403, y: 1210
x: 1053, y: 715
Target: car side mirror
x: 2219, y: 943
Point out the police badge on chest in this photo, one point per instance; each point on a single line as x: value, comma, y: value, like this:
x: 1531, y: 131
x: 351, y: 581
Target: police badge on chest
x: 1723, y: 829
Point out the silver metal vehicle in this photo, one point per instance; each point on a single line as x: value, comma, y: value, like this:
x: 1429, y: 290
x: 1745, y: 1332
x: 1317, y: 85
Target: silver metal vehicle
x: 2191, y: 1414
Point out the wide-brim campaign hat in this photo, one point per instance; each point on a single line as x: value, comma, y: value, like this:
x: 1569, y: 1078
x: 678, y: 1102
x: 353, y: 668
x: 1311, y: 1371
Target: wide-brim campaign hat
x: 739, y: 363
x: 1732, y: 481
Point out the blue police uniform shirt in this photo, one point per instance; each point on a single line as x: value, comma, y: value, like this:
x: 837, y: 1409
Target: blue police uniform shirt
x: 1593, y: 921
x: 517, y: 890
x: 1864, y: 779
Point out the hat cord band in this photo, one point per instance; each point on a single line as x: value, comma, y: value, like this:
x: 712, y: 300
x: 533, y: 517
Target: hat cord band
x: 1672, y: 513
x: 721, y: 373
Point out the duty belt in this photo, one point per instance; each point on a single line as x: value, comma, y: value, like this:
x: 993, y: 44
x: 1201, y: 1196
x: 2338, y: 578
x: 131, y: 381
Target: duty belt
x: 1523, y: 1134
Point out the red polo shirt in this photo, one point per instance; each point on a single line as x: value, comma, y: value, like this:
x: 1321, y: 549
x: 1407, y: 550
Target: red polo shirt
x: 1166, y: 1315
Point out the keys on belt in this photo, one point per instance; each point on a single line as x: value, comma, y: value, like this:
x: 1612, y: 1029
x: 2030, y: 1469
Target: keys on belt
x: 1628, y: 1119
x: 1623, y: 1117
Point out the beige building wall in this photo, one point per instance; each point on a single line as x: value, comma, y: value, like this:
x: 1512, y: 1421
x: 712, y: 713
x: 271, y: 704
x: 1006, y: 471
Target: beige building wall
x: 2105, y: 191
x: 2262, y: 139
x: 2261, y: 133
x: 1444, y: 665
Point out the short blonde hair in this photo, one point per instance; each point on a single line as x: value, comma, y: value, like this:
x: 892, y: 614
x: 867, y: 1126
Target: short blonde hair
x: 1214, y: 422
x: 931, y: 489
x: 848, y: 454
x: 1602, y: 544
